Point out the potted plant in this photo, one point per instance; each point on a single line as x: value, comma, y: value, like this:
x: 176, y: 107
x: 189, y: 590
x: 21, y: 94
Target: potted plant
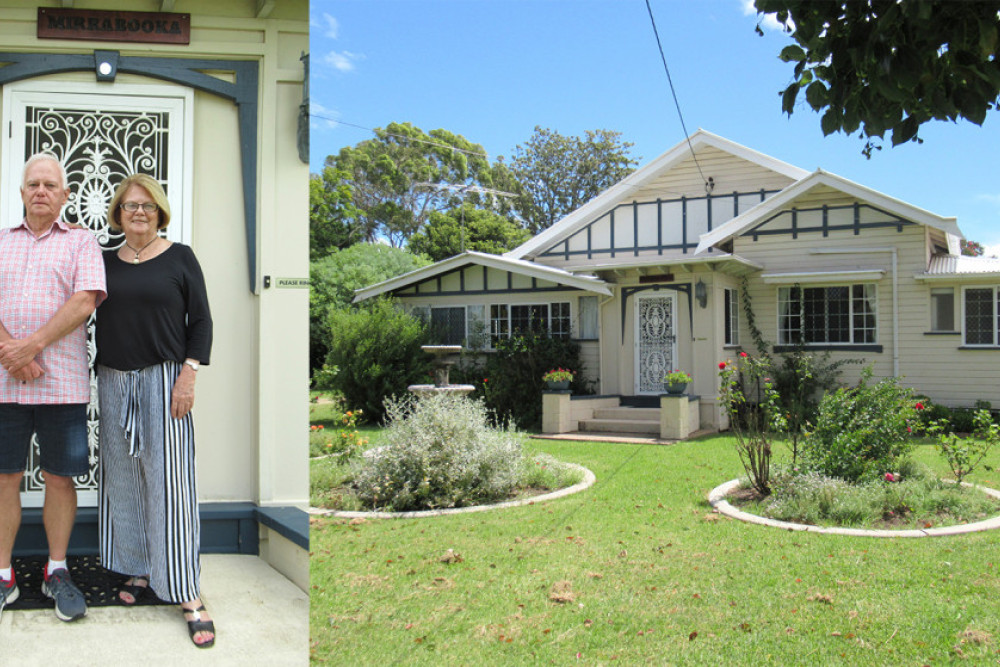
x: 677, y: 382
x: 558, y: 379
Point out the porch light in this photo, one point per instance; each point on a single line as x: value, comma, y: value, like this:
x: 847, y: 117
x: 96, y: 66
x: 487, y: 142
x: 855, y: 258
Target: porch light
x: 701, y: 293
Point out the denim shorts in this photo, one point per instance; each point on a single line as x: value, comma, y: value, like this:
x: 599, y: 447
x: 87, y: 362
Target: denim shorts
x: 62, y: 437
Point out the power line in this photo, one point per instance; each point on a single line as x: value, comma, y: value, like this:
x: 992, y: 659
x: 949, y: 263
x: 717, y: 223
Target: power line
x: 399, y: 136
x: 709, y: 183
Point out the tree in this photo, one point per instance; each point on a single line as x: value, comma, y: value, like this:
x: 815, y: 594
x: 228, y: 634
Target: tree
x: 331, y: 213
x: 392, y: 178
x: 874, y: 66
x: 334, y: 278
x: 560, y: 174
x: 450, y: 232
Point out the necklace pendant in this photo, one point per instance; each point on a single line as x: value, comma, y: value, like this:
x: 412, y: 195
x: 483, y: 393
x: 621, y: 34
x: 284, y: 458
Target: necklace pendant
x: 136, y: 260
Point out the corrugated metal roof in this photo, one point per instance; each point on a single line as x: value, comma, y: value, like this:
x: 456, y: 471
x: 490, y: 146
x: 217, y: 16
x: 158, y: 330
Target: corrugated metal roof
x: 961, y: 264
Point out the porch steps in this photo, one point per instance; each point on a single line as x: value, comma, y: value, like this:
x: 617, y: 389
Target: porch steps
x: 623, y: 420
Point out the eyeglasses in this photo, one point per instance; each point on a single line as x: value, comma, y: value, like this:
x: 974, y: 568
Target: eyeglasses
x: 132, y: 207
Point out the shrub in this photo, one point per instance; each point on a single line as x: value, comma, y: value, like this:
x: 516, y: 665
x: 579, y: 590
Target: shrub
x: 862, y: 432
x: 515, y: 370
x: 439, y: 451
x: 965, y: 454
x: 377, y: 352
x: 752, y: 405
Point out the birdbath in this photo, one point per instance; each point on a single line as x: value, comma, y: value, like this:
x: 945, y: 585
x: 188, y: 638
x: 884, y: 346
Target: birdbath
x: 442, y: 364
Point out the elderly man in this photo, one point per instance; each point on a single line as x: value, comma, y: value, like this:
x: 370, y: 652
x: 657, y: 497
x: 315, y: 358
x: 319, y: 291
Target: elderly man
x: 51, y: 280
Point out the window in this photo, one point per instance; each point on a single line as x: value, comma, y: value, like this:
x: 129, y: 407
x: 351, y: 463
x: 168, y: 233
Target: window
x: 448, y: 325
x: 588, y: 317
x: 511, y: 319
x: 499, y: 322
x: 840, y: 314
x: 943, y: 309
x: 982, y: 315
x: 732, y: 318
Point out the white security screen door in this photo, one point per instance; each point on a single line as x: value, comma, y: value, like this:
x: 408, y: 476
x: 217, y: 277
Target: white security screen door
x: 655, y: 341
x: 102, y: 133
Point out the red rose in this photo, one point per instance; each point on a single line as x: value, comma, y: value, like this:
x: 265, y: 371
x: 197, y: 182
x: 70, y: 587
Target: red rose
x: 722, y: 365
x: 743, y: 354
x: 919, y: 406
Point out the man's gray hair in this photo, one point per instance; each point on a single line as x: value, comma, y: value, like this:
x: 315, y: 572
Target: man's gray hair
x: 45, y: 155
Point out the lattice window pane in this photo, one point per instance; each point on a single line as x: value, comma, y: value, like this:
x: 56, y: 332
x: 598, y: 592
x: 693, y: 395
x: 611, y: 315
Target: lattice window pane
x: 499, y: 322
x: 560, y: 320
x: 527, y: 319
x: 979, y: 316
x: 731, y: 318
x: 448, y: 325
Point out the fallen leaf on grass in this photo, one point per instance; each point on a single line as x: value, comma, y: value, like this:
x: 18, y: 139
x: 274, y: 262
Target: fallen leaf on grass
x: 692, y: 636
x: 820, y: 597
x: 562, y: 592
x: 357, y: 522
x: 450, y: 556
x: 975, y: 637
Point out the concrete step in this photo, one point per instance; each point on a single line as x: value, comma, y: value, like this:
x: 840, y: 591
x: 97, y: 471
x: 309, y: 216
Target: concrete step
x: 620, y: 426
x: 640, y: 414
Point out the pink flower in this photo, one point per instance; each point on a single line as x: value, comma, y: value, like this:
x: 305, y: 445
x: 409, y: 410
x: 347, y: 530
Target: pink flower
x: 722, y: 365
x: 889, y: 477
x: 919, y: 406
x: 743, y: 354
x: 909, y: 430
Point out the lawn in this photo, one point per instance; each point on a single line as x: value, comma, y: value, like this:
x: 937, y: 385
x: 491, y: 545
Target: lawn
x: 638, y: 569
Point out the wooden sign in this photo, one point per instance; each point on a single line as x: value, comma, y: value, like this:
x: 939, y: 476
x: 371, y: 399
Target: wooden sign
x: 103, y: 26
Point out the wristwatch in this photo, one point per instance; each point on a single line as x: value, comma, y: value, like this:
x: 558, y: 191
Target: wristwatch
x: 193, y: 364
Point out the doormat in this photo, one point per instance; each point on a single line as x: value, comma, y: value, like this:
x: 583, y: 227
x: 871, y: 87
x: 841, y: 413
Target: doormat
x: 99, y: 586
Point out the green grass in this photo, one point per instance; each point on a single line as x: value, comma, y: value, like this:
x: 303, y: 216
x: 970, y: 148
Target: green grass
x: 654, y: 575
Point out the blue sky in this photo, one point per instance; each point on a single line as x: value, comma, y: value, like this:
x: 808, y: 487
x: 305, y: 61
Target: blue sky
x: 492, y: 70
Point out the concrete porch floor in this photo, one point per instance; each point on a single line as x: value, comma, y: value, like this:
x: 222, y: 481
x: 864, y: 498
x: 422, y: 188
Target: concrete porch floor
x: 631, y: 438
x: 261, y: 618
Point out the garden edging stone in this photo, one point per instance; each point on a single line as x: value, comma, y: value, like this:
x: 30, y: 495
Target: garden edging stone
x: 717, y: 498
x: 588, y: 480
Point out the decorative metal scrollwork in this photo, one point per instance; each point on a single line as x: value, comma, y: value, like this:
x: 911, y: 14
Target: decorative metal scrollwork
x: 98, y: 148
x: 655, y: 341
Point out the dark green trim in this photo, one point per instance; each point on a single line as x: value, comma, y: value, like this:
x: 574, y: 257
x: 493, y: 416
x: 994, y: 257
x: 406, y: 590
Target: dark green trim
x: 226, y: 528
x: 942, y: 333
x: 243, y: 91
x: 979, y: 347
x: 824, y: 227
x: 820, y: 347
x: 629, y: 291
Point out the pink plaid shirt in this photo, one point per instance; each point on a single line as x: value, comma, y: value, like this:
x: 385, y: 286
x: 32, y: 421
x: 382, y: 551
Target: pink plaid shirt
x: 37, y: 276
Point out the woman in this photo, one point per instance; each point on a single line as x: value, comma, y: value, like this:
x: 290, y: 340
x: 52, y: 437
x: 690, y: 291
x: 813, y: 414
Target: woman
x: 153, y: 332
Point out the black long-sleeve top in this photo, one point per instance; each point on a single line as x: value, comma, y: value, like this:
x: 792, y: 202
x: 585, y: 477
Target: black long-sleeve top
x: 156, y: 311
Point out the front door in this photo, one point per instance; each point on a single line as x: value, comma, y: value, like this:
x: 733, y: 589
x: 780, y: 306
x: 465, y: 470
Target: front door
x: 655, y: 341
x: 102, y: 133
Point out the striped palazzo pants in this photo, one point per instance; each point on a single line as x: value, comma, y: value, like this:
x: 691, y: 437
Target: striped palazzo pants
x: 148, y: 500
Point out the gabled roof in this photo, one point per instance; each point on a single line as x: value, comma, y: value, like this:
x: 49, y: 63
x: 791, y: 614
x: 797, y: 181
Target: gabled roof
x: 499, y: 262
x: 758, y: 213
x: 639, y: 179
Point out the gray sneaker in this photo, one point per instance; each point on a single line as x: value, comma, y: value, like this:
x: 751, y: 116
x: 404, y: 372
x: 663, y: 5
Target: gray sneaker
x: 8, y: 593
x: 69, y: 600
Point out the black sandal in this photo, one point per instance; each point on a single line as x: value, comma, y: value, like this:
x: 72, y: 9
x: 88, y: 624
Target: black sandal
x: 197, y: 625
x: 137, y: 592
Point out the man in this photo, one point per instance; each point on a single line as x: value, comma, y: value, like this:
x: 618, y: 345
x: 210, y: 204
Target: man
x: 51, y: 280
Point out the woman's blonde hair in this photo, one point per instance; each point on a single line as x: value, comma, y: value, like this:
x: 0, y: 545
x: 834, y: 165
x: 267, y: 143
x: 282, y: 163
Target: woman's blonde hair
x: 150, y: 185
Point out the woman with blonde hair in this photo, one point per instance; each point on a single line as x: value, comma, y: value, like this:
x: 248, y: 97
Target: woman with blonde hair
x: 154, y: 331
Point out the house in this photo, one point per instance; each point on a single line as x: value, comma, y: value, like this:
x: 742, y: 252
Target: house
x: 651, y: 275
x: 206, y: 97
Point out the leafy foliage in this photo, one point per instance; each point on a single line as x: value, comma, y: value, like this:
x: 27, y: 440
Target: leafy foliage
x: 752, y: 404
x: 885, y: 66
x: 377, y: 351
x: 393, y: 177
x: 972, y: 248
x: 514, y: 386
x: 965, y: 454
x: 862, y: 432
x: 439, y: 451
x: 334, y: 278
x: 561, y: 173
x: 448, y: 233
x: 332, y: 214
